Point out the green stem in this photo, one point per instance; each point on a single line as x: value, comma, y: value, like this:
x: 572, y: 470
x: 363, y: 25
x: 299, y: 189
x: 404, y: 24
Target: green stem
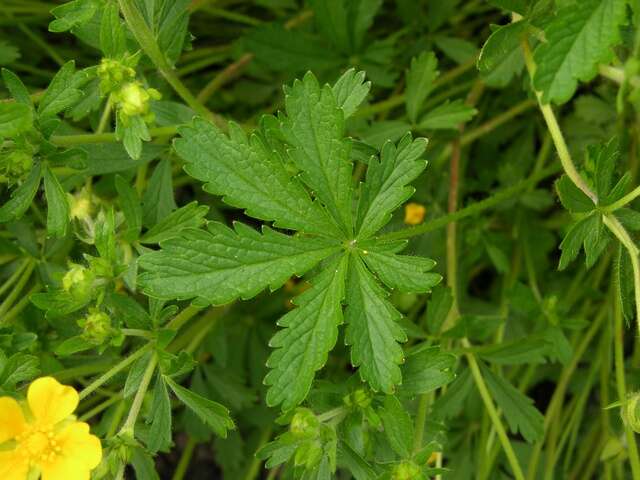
x: 421, y: 417
x: 493, y: 414
x: 86, y: 138
x: 143, y: 34
x: 629, y: 197
x: 618, y: 352
x: 100, y: 408
x: 473, y: 209
x: 17, y: 289
x: 106, y: 115
x: 183, y: 317
x: 104, y: 378
x: 253, y: 471
x: 14, y: 276
x: 185, y: 460
x: 134, y: 411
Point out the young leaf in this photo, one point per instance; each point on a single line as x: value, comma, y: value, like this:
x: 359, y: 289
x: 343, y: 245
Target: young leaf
x: 189, y: 216
x: 63, y: 91
x: 112, y: 34
x: 402, y: 272
x: 250, y: 176
x: 572, y: 198
x: 386, y: 186
x: 372, y: 330
x: 501, y: 56
x: 15, y: 118
x: 57, y: 205
x: 160, y: 418
x: 426, y: 370
x: 221, y: 264
x: 216, y: 416
x: 447, y: 116
x: 398, y: 426
x: 309, y: 333
x: 22, y: 197
x: 16, y: 88
x: 71, y: 14
x: 420, y: 78
x: 518, y: 409
x: 577, y: 40
x: 314, y: 127
x: 350, y: 90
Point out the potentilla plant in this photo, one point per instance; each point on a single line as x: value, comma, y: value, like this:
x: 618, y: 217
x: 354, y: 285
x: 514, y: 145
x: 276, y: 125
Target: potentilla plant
x: 321, y: 239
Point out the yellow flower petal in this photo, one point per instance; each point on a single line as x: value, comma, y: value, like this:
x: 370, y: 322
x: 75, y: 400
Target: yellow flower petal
x: 65, y: 468
x: 13, y: 465
x: 51, y: 402
x: 12, y: 421
x: 414, y: 213
x: 76, y: 442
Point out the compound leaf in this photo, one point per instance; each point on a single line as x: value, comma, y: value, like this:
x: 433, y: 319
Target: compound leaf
x: 402, y: 272
x: 372, y: 329
x: 386, y: 186
x: 420, y: 77
x: 310, y: 332
x: 314, y: 127
x: 222, y: 264
x: 578, y: 39
x: 250, y: 176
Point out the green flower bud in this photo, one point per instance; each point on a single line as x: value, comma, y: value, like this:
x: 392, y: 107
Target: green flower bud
x: 78, y: 281
x: 15, y: 165
x: 406, y: 470
x: 133, y: 99
x: 631, y: 412
x: 304, y: 424
x: 97, y: 327
x: 360, y: 399
x: 112, y: 74
x: 81, y: 205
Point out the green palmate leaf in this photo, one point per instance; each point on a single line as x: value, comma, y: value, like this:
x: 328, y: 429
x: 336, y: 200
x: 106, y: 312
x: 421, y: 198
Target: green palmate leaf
x: 132, y: 131
x: 350, y: 90
x: 72, y: 13
x: 15, y: 118
x: 578, y: 39
x: 404, y: 273
x: 524, y: 351
x: 16, y: 88
x: 420, y: 78
x: 372, y: 329
x: 518, y: 409
x: 447, y: 116
x: 189, y: 216
x: 221, y: 264
x: 113, y: 40
x: 213, y: 414
x: 398, y: 426
x: 160, y: 418
x: 143, y: 464
x: 501, y: 56
x: 314, y: 127
x: 309, y: 332
x: 57, y: 205
x: 438, y: 308
x: 572, y: 198
x: 172, y: 21
x: 596, y: 240
x: 250, y: 176
x: 22, y: 197
x: 386, y: 186
x: 425, y: 370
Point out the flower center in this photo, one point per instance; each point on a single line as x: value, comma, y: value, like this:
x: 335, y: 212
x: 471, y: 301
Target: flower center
x: 38, y: 444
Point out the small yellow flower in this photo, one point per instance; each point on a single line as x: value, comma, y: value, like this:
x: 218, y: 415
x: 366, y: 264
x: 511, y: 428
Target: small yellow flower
x: 48, y: 443
x: 414, y: 213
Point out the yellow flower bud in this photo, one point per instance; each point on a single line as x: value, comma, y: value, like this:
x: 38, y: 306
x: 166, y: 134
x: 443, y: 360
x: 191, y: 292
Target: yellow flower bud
x: 78, y: 281
x: 406, y: 471
x: 414, y: 213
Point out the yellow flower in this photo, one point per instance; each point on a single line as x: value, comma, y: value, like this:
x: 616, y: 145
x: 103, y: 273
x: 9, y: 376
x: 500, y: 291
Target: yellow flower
x: 414, y: 213
x: 48, y: 440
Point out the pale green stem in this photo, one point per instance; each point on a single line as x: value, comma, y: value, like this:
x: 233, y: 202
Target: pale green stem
x: 493, y: 414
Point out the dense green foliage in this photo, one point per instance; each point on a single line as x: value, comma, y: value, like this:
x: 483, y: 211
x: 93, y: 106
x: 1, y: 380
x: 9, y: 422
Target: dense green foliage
x: 212, y: 224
